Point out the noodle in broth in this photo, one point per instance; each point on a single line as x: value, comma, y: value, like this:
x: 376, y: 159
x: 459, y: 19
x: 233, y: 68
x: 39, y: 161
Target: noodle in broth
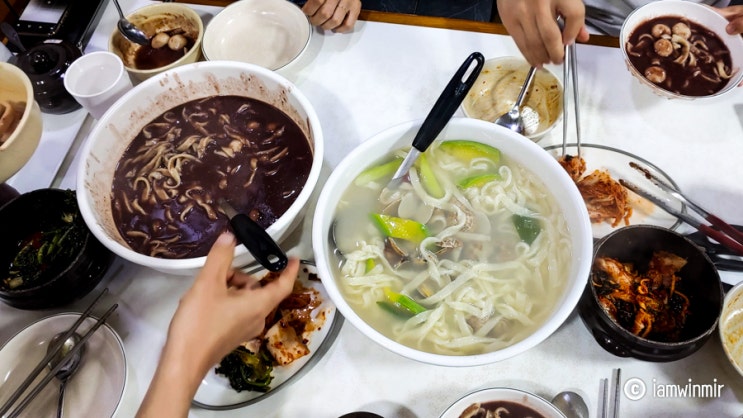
x: 482, y: 286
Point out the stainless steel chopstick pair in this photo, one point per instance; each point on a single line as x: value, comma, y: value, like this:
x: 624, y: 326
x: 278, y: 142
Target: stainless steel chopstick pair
x: 570, y: 77
x: 51, y: 353
x: 604, y: 407
x: 718, y: 230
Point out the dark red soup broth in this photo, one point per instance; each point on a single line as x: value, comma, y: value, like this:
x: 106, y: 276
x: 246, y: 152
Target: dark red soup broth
x: 149, y: 58
x: 505, y: 409
x: 696, y: 62
x: 169, y: 180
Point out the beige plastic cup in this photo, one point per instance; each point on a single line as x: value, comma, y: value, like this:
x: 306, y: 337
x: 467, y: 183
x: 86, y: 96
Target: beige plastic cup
x: 96, y: 80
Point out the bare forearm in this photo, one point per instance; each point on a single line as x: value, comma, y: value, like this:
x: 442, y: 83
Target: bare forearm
x: 173, y: 386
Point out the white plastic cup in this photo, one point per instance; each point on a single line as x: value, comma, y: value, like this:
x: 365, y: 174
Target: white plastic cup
x: 96, y: 80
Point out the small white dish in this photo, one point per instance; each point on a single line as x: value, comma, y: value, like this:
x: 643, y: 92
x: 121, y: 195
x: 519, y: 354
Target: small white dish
x: 616, y: 162
x: 516, y: 396
x: 268, y: 33
x: 497, y: 87
x: 96, y: 389
x: 215, y: 392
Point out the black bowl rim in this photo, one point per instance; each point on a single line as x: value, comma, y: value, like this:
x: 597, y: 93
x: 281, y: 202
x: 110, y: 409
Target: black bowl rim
x: 89, y: 240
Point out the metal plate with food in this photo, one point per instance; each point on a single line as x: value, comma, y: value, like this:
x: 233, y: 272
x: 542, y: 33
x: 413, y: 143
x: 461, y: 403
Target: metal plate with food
x: 94, y: 391
x: 312, y: 325
x: 623, y: 207
x: 507, y: 401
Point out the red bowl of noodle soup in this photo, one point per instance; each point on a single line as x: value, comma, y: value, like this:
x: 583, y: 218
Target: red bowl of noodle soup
x: 482, y: 294
x: 157, y: 162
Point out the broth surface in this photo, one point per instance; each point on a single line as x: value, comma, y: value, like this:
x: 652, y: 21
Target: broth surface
x: 474, y: 267
x: 168, y: 183
x: 500, y: 409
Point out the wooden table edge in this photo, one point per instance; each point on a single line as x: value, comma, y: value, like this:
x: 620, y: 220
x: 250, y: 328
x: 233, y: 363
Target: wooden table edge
x: 432, y: 22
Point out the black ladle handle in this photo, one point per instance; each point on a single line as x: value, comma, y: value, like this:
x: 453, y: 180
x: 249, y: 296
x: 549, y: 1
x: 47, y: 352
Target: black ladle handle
x: 265, y: 250
x: 258, y: 242
x: 448, y: 102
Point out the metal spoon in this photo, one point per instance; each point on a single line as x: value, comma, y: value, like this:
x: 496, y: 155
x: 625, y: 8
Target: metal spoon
x: 513, y: 120
x: 571, y: 404
x: 127, y: 28
x: 70, y: 366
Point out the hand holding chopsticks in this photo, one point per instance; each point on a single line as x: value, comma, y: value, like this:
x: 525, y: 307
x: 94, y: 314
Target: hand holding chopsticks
x: 719, y: 230
x: 51, y: 353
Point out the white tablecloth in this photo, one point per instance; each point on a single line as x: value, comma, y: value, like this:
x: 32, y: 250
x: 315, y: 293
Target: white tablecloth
x: 385, y: 74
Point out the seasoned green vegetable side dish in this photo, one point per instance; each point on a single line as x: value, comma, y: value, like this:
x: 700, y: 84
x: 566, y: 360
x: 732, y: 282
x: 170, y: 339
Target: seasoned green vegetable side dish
x: 47, y: 249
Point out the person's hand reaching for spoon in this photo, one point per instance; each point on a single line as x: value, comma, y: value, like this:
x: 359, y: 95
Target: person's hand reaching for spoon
x: 223, y: 308
x: 335, y: 15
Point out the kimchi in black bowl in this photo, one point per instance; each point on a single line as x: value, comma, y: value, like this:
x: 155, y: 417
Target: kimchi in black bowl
x: 48, y: 257
x: 652, y: 294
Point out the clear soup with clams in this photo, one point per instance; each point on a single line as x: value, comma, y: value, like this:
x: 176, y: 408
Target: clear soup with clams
x: 470, y: 256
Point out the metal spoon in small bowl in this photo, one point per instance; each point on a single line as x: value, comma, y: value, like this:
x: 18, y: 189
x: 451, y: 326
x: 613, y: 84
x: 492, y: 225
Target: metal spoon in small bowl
x: 571, y: 404
x: 70, y: 365
x: 129, y: 30
x: 513, y: 119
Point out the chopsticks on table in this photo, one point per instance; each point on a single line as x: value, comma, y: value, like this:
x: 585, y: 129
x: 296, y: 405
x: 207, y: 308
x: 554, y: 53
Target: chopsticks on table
x: 51, y: 353
x: 617, y: 384
x: 604, y: 406
x: 718, y: 230
x: 604, y: 388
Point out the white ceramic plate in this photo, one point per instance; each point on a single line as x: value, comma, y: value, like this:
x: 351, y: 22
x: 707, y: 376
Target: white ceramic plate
x: 94, y: 392
x: 215, y: 392
x: 534, y: 402
x: 617, y: 163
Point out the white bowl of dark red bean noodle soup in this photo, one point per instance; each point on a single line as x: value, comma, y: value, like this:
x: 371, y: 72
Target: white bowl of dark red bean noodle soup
x: 101, y: 201
x: 696, y: 47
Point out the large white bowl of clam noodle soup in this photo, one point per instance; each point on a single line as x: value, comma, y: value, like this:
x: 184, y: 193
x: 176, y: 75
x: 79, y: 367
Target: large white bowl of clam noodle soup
x: 161, y: 157
x: 480, y: 293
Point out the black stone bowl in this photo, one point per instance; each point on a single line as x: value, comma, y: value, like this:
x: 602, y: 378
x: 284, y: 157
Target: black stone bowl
x: 68, y: 278
x: 700, y: 282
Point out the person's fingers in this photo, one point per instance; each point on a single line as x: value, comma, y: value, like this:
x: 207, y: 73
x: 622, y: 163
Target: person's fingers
x: 550, y: 37
x: 735, y: 27
x: 241, y: 280
x: 311, y: 7
x: 333, y: 18
x: 350, y: 19
x: 583, y: 35
x: 218, y: 265
x: 321, y: 14
x: 574, y: 15
x: 276, y: 291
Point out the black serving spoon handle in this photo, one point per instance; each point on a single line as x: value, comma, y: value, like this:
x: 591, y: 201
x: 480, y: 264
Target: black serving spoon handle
x: 265, y: 250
